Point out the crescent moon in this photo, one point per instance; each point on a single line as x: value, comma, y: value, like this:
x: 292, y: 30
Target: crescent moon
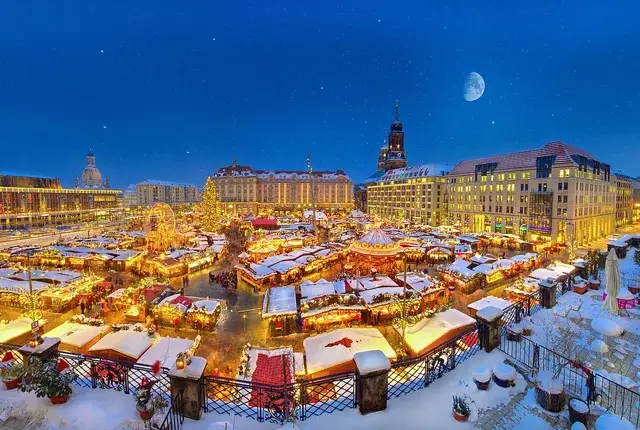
x: 473, y: 87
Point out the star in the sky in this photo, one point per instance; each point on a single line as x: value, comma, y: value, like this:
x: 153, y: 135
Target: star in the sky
x: 102, y: 51
x: 493, y: 122
x: 104, y: 126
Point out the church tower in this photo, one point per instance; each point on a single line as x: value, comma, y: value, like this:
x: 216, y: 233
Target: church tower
x: 396, y: 157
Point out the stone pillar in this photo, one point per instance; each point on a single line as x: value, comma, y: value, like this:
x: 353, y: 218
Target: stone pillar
x: 46, y: 350
x: 190, y: 381
x: 548, y: 293
x: 372, y: 370
x: 489, y: 321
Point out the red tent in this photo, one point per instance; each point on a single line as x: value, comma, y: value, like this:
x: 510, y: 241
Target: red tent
x: 264, y: 223
x: 181, y: 300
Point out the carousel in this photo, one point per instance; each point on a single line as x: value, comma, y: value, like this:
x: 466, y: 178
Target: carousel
x: 373, y: 251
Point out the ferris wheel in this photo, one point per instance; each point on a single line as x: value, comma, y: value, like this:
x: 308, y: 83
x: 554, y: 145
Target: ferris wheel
x: 160, y: 226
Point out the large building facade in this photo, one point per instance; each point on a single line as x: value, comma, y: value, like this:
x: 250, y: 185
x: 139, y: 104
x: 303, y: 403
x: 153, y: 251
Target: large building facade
x: 409, y: 194
x: 244, y: 190
x: 557, y: 193
x: 153, y: 191
x: 27, y: 201
x: 624, y: 199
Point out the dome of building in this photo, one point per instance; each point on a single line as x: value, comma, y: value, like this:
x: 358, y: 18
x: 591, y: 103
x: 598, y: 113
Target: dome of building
x: 91, y: 176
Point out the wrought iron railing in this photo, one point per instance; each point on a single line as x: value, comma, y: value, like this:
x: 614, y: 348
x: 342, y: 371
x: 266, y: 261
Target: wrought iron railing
x: 597, y: 388
x: 6, y: 347
x: 280, y: 403
x: 175, y: 415
x: 416, y: 373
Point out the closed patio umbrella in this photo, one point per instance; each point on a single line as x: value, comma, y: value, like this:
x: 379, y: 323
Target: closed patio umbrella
x: 613, y: 283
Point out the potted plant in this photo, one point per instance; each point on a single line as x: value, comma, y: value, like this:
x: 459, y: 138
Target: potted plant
x: 527, y: 327
x: 12, y: 375
x: 46, y: 380
x: 514, y: 332
x: 578, y: 411
x: 580, y: 287
x: 147, y: 404
x: 461, y: 409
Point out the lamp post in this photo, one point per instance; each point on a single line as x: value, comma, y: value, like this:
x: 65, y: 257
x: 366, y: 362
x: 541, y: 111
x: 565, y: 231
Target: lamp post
x: 35, y: 337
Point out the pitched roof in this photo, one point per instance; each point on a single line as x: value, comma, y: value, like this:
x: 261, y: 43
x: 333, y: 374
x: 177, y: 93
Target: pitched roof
x: 524, y: 159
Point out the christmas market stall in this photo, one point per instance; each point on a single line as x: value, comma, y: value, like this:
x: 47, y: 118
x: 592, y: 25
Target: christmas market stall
x: 79, y: 334
x: 171, y: 311
x: 521, y: 288
x: 256, y: 275
x: 457, y: 275
x: 434, y: 331
x: 438, y: 253
x: 381, y: 295
x: 375, y: 250
x: 332, y: 352
x: 496, y: 302
x: 204, y: 314
x: 524, y: 262
x: 18, y: 331
x: 433, y: 294
x: 279, y: 308
x: 321, y: 307
x: 15, y: 294
x: 125, y: 344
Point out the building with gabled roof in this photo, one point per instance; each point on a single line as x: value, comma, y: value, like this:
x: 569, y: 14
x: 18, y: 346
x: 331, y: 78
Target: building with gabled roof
x: 556, y: 193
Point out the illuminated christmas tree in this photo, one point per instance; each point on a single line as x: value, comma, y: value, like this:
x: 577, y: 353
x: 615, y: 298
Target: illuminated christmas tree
x: 210, y: 207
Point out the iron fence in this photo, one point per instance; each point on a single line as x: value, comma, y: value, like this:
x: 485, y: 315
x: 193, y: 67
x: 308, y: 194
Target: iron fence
x: 577, y: 382
x: 280, y: 403
x: 5, y: 347
x: 525, y: 307
x: 419, y: 372
x: 175, y: 415
x: 119, y: 375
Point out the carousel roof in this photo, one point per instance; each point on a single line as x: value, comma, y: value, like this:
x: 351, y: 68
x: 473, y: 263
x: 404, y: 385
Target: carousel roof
x: 375, y: 242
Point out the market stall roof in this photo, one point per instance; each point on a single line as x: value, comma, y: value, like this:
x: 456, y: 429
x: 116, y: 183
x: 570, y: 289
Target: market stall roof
x: 430, y: 331
x: 5, y: 273
x: 524, y: 257
x: 544, y: 274
x: 208, y: 305
x: 369, y: 295
x: 280, y: 301
x: 489, y: 301
x: 275, y: 259
x: 50, y: 276
x: 15, y: 328
x: 370, y: 282
x: 256, y: 271
x: 377, y: 243
x: 117, y: 293
x: 338, y: 347
x: 180, y: 302
x: 559, y: 266
x: 374, y: 237
x: 317, y: 289
x: 21, y: 286
x: 129, y: 343
x: 285, y: 266
x: 264, y: 222
x: 243, y: 254
x: 417, y: 281
x: 165, y: 351
x: 439, y: 250
x: 76, y: 335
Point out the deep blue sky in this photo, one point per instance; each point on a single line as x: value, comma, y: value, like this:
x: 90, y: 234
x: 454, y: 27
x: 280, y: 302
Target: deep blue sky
x: 174, y: 90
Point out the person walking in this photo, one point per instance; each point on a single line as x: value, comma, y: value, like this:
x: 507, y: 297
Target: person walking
x: 82, y: 306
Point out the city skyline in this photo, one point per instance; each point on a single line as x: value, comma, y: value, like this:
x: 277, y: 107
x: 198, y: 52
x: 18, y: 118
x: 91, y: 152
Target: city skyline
x: 174, y: 94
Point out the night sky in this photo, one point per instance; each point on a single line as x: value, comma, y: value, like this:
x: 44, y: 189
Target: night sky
x: 175, y: 90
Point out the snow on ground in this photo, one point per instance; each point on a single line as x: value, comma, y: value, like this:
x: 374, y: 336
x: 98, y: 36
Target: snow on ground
x: 86, y: 409
x: 429, y: 408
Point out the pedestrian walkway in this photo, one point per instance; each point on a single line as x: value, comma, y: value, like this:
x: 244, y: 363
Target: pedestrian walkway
x: 16, y: 424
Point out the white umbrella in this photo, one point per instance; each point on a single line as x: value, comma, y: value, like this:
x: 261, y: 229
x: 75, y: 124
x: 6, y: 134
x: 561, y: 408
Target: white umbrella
x: 613, y: 283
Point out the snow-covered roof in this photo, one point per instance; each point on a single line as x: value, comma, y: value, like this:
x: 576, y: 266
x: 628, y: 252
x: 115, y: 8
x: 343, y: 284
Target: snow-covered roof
x: 15, y: 328
x: 285, y: 266
x: 76, y: 335
x: 165, y: 350
x: 368, y: 295
x: 208, y: 305
x: 54, y: 276
x: 543, y: 274
x: 370, y: 282
x: 257, y: 271
x: 428, y: 330
x: 417, y: 281
x: 280, y: 301
x: 320, y: 216
x: 559, y: 266
x: 126, y: 342
x: 419, y: 171
x: 326, y: 350
x: 489, y: 301
x: 320, y: 288
x: 21, y: 286
x: 376, y: 236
